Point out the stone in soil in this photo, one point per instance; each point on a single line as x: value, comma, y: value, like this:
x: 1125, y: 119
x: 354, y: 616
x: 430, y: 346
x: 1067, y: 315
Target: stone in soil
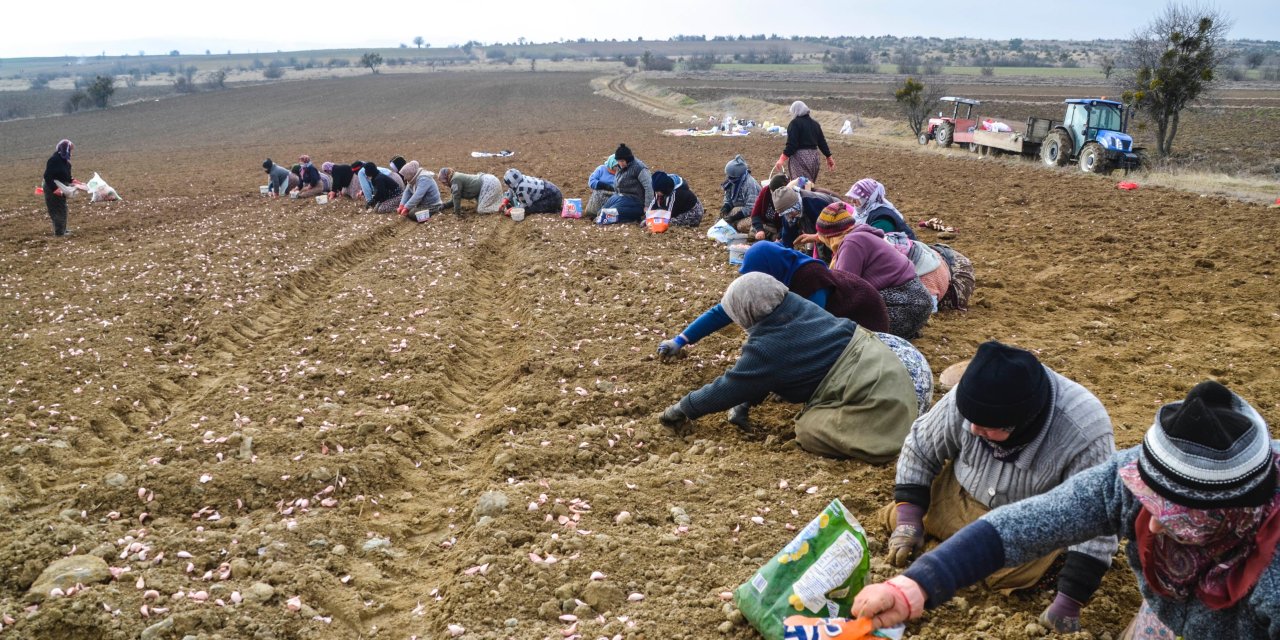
x: 66, y: 573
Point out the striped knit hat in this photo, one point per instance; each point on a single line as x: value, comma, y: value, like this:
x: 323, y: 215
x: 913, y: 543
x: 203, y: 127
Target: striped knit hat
x: 1210, y: 451
x: 834, y: 220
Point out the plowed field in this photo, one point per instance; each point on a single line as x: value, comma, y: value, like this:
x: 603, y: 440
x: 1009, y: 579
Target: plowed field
x: 217, y: 393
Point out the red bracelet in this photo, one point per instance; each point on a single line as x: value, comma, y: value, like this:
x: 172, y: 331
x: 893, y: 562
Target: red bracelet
x: 902, y: 593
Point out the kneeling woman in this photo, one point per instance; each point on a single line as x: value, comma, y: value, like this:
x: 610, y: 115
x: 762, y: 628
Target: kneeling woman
x: 383, y: 194
x: 535, y: 195
x: 420, y: 191
x: 484, y: 188
x: 859, y: 399
x: 862, y: 251
x: 672, y: 193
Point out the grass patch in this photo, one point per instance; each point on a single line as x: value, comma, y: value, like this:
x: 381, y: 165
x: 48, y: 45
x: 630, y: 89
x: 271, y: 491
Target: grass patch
x: 1031, y: 72
x: 742, y: 66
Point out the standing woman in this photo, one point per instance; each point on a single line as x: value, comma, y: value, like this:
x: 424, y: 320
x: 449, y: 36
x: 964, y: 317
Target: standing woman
x: 57, y: 173
x: 804, y: 144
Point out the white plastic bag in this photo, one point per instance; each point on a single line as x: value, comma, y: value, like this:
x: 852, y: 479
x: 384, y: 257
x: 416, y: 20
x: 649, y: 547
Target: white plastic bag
x: 721, y: 232
x: 99, y: 190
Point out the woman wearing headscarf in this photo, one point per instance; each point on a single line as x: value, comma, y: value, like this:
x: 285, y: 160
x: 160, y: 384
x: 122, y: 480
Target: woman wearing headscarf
x: 740, y: 192
x: 484, y: 188
x: 535, y: 195
x: 765, y: 222
x: 805, y: 146
x: 57, y: 175
x: 364, y: 169
x: 843, y: 295
x: 859, y: 400
x: 420, y: 191
x: 311, y: 182
x: 602, y: 183
x: 861, y: 250
x: 1011, y: 429
x: 874, y: 209
x: 341, y: 180
x: 672, y: 193
x: 280, y: 180
x: 798, y: 209
x: 931, y: 268
x: 634, y: 184
x: 383, y: 194
x: 1196, y: 502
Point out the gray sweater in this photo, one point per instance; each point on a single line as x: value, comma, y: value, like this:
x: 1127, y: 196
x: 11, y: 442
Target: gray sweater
x: 787, y: 352
x: 1093, y: 503
x: 1076, y: 437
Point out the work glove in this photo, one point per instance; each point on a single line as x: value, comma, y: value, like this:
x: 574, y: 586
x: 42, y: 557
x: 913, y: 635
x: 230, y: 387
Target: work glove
x: 1063, y: 615
x: 908, y: 536
x: 725, y: 209
x: 674, y: 417
x: 669, y: 350
x: 740, y: 416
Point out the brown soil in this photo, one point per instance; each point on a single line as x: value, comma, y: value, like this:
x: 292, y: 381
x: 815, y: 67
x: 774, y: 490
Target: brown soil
x: 295, y: 352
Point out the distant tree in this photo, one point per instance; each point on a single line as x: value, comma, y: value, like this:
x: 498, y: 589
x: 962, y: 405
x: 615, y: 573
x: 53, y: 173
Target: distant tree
x: 274, y: 71
x: 1108, y: 65
x: 629, y: 61
x: 419, y: 41
x: 652, y: 62
x: 857, y: 59
x: 494, y: 53
x: 908, y: 62
x: 700, y: 62
x: 217, y: 79
x: 916, y: 101
x: 1015, y: 44
x: 466, y: 48
x: 1171, y: 63
x: 371, y: 60
x: 533, y: 64
x: 1255, y: 59
x: 77, y: 101
x: 174, y: 53
x: 404, y: 46
x: 100, y: 90
x: 987, y: 71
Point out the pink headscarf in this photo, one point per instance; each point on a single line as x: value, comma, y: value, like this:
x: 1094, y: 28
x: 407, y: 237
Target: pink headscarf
x: 870, y: 195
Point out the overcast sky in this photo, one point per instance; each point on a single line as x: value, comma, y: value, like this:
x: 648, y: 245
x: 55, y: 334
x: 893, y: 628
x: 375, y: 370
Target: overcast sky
x: 82, y: 27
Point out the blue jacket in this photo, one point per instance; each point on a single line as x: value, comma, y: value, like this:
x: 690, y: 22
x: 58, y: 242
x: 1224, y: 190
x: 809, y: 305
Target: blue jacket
x: 602, y: 180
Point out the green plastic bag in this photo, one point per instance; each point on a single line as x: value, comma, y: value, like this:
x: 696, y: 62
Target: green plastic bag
x: 817, y: 574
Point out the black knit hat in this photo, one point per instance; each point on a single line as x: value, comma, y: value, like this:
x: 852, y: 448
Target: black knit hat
x: 370, y: 169
x: 777, y: 182
x: 1003, y: 388
x: 662, y: 183
x: 355, y: 165
x: 266, y: 164
x: 624, y: 153
x: 398, y: 162
x: 1209, y: 451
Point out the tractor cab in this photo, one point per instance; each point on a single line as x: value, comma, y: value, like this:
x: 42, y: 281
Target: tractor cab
x: 1096, y: 120
x: 955, y: 126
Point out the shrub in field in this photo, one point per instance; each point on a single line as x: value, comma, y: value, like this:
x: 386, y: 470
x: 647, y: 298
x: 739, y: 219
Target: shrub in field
x: 183, y: 85
x: 1234, y: 74
x: 1171, y: 63
x: 274, y: 71
x: 630, y: 62
x: 494, y: 53
x: 652, y: 62
x: 932, y: 68
x: 1271, y: 73
x: 78, y: 100
x: 853, y: 60
x: 987, y: 71
x: 700, y: 62
x: 916, y: 101
x: 217, y: 79
x: 100, y: 90
x: 371, y: 60
x: 339, y: 62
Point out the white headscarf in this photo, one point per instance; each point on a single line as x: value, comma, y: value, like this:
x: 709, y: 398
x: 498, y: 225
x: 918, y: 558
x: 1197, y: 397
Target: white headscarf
x: 798, y: 109
x: 751, y: 297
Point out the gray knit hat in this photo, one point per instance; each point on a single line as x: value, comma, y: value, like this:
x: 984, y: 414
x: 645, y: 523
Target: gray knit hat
x: 1209, y: 451
x: 736, y: 168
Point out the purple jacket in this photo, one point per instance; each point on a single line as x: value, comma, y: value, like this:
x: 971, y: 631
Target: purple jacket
x: 865, y: 254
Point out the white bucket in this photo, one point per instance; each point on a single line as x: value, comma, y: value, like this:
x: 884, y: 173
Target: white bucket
x: 322, y: 199
x: 264, y: 189
x: 738, y: 249
x: 517, y: 214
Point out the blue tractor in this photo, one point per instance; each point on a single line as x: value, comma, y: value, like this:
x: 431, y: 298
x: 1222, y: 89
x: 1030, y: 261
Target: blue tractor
x: 1092, y: 133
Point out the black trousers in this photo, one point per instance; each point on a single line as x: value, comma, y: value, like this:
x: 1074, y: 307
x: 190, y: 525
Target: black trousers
x: 57, y: 212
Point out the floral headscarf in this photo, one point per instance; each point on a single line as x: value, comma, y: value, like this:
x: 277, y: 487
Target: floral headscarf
x: 64, y: 149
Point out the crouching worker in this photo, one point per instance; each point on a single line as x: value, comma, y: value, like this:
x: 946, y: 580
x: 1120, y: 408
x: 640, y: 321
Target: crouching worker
x: 382, y: 193
x: 740, y: 192
x: 484, y: 188
x: 342, y: 181
x: 1196, y: 503
x: 535, y: 195
x: 634, y: 189
x: 281, y: 180
x: 671, y: 193
x: 602, y: 185
x: 1011, y: 429
x: 311, y: 181
x: 420, y: 191
x: 859, y: 399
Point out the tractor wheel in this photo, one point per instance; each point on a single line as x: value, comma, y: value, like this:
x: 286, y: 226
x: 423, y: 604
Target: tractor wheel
x: 924, y: 137
x: 1055, y: 151
x: 1093, y: 159
x: 943, y: 135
